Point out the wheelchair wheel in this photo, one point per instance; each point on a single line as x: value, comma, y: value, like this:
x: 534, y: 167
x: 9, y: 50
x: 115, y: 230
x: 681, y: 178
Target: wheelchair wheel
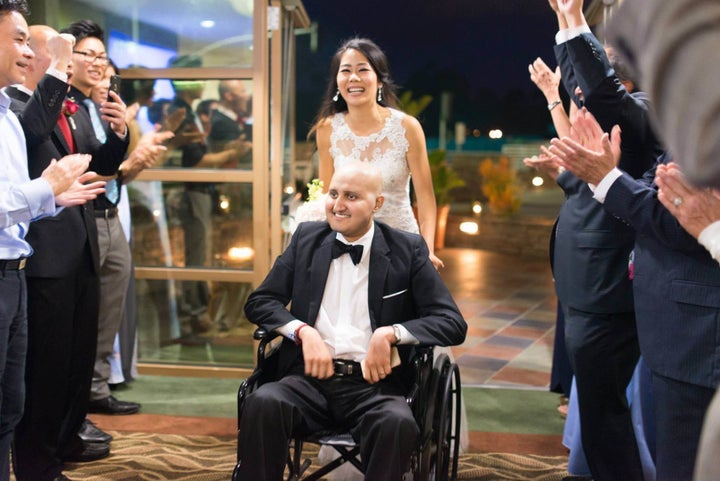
x: 439, y: 449
x: 447, y: 424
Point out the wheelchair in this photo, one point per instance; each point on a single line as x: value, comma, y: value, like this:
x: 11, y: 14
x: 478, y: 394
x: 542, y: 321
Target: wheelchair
x: 434, y: 397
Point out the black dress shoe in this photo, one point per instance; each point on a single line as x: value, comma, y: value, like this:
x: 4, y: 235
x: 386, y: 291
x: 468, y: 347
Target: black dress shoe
x: 90, y: 433
x: 88, y: 452
x: 110, y: 405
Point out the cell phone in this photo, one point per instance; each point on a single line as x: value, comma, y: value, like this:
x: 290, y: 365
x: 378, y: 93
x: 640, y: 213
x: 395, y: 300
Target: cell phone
x: 114, y: 85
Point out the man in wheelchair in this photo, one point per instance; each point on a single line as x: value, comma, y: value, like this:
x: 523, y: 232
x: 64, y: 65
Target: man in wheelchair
x: 347, y: 314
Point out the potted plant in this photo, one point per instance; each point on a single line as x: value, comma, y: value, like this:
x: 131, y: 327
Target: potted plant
x: 444, y: 180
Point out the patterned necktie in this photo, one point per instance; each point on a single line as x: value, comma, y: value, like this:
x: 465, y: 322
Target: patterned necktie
x: 339, y: 248
x: 112, y: 190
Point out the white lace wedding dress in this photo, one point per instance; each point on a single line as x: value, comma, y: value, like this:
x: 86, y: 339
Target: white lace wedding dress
x: 387, y: 150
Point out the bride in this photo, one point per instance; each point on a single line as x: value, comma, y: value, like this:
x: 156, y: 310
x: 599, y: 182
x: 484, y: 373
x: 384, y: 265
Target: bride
x: 359, y: 121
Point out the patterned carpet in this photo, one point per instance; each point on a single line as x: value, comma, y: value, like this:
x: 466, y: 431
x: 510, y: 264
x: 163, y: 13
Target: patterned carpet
x: 154, y: 457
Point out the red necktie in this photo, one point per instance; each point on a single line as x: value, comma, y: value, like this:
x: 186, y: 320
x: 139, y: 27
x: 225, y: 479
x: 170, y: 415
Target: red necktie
x: 65, y: 127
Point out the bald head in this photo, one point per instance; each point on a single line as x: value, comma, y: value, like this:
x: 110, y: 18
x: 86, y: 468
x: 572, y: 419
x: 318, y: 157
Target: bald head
x: 39, y: 35
x: 354, y: 195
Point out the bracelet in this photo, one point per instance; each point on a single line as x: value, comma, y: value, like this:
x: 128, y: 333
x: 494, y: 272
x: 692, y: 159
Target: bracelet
x: 298, y: 341
x: 554, y: 104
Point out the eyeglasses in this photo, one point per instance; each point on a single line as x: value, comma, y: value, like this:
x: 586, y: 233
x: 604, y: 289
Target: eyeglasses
x: 92, y: 58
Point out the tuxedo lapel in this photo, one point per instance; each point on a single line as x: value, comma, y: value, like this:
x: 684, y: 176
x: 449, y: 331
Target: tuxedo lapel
x: 318, y: 275
x: 379, y: 266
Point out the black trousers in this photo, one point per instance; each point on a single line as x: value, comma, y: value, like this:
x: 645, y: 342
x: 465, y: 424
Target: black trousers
x: 376, y: 415
x: 62, y: 338
x: 603, y: 351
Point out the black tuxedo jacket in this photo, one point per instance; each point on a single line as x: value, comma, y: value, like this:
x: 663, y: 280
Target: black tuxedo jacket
x: 677, y: 288
x: 591, y: 247
x: 59, y: 242
x: 403, y: 288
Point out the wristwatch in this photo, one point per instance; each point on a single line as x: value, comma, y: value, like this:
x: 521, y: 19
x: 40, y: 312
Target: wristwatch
x: 397, y: 332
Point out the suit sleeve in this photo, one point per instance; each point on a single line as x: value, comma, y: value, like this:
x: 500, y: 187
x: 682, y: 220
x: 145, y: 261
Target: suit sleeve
x: 267, y: 305
x: 608, y: 100
x: 40, y: 115
x: 439, y: 321
x: 636, y: 203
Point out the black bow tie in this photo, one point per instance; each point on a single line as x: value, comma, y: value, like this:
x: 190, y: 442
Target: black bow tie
x: 339, y: 248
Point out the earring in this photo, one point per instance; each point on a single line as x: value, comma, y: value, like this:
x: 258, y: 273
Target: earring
x: 379, y: 95
x: 337, y: 96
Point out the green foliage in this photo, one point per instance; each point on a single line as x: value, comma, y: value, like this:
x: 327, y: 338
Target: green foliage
x: 413, y: 106
x: 444, y: 177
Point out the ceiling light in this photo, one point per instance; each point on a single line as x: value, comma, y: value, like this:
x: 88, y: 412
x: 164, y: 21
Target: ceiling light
x: 207, y: 23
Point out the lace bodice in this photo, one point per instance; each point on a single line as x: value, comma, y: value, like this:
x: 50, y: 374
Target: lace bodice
x: 387, y: 149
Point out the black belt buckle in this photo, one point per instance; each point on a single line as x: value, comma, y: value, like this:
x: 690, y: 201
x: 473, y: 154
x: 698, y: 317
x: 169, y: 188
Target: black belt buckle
x: 346, y: 368
x: 110, y: 213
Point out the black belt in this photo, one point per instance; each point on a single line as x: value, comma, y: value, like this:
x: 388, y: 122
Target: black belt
x: 13, y: 265
x: 346, y: 368
x: 106, y: 213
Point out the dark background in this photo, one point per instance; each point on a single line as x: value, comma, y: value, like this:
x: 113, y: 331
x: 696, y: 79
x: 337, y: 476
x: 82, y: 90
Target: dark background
x: 478, y: 50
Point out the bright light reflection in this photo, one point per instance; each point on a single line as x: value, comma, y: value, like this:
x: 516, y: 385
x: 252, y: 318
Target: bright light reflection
x: 477, y: 208
x: 156, y: 213
x: 495, y: 134
x: 289, y: 189
x: 537, y: 181
x: 207, y: 23
x: 241, y: 253
x: 470, y: 228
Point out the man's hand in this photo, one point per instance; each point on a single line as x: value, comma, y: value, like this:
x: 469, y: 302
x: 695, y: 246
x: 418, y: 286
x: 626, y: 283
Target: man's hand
x: 60, y: 49
x: 114, y: 112
x: 377, y: 363
x: 61, y: 174
x: 79, y: 192
x: 317, y: 357
x: 572, y: 11
x: 544, y: 163
x: 589, y: 153
x: 694, y: 208
x: 131, y: 111
x: 546, y: 80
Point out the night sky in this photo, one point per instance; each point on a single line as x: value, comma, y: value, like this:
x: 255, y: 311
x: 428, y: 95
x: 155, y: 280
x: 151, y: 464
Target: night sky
x: 477, y: 49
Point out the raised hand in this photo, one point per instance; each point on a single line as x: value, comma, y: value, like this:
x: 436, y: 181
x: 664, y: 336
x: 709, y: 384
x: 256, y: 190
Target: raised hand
x: 114, y: 112
x: 546, y: 80
x: 544, y: 163
x: 694, y: 208
x: 572, y: 11
x: 60, y: 48
x: 79, y: 192
x: 61, y: 174
x: 592, y: 154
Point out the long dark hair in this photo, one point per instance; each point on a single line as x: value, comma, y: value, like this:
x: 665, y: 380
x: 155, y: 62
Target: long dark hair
x: 378, y: 62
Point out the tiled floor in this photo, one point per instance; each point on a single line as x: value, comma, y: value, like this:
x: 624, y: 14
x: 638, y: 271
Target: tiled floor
x: 509, y: 304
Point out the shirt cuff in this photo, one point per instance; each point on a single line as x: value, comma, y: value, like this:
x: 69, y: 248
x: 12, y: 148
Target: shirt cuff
x: 710, y: 239
x: 603, y: 187
x: 288, y: 330
x: 39, y: 197
x: 406, y: 337
x: 58, y: 74
x: 561, y: 36
x: 577, y: 31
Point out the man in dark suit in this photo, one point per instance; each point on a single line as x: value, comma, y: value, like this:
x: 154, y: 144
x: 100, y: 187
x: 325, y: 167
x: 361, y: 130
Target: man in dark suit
x: 677, y: 297
x: 590, y: 257
x: 347, y: 312
x: 63, y: 286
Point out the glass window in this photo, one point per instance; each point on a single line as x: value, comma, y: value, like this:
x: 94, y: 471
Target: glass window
x: 212, y: 120
x: 152, y: 34
x: 192, y: 224
x: 174, y: 330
